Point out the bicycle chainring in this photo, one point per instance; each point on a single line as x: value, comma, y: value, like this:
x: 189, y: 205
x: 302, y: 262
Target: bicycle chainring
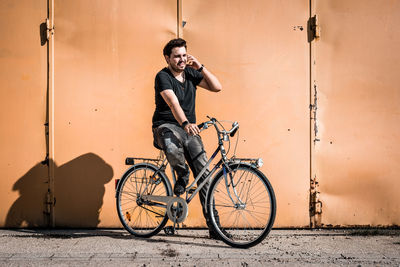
x: 177, y: 210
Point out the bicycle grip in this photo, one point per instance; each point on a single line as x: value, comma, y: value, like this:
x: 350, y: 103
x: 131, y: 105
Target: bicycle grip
x: 235, y: 124
x: 234, y: 131
x: 201, y: 125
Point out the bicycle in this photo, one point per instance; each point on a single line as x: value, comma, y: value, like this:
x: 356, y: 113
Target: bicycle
x: 240, y: 195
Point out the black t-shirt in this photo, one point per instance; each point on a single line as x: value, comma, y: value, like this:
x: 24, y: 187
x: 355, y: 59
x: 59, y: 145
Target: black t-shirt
x: 185, y: 92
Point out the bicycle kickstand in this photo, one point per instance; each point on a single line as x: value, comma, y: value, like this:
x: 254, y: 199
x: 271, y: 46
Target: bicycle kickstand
x: 172, y: 230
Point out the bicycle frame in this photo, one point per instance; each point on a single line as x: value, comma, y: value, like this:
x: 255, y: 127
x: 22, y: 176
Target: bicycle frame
x: 216, y: 167
x: 188, y: 198
x: 222, y: 136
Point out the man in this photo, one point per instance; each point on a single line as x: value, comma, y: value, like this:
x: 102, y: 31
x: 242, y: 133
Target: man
x: 174, y: 120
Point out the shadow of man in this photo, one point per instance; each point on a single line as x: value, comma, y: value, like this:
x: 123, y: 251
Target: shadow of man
x: 79, y: 191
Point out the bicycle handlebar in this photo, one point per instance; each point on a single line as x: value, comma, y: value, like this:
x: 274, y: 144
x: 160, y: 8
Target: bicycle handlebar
x: 213, y: 121
x: 201, y: 125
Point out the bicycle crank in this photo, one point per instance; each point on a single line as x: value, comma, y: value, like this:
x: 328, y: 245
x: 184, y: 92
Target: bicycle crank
x: 177, y: 210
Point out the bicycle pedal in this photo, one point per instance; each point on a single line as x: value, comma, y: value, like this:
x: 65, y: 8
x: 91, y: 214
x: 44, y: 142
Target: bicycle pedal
x: 169, y: 230
x: 191, y: 190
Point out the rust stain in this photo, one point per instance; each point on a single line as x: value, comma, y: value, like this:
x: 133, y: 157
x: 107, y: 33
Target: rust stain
x: 315, y: 204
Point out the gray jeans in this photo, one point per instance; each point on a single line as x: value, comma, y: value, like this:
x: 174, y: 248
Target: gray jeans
x: 178, y: 146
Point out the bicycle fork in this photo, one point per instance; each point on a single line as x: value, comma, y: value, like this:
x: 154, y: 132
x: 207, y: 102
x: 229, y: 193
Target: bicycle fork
x: 239, y: 203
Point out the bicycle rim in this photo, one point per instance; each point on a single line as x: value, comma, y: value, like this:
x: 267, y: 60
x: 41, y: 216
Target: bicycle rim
x: 245, y: 218
x: 139, y: 217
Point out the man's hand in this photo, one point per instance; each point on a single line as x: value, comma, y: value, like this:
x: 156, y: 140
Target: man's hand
x: 209, y: 82
x: 194, y: 63
x: 192, y: 129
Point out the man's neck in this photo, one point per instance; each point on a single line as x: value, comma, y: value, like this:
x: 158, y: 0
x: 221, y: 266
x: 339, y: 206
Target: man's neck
x: 175, y: 73
x: 178, y: 75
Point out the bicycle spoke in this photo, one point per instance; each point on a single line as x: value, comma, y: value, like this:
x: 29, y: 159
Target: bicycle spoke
x: 226, y: 205
x: 244, y: 218
x: 236, y: 219
x: 152, y: 211
x: 244, y: 182
x: 225, y: 197
x: 255, y: 218
x: 139, y: 216
x: 222, y: 213
x: 256, y: 196
x: 128, y: 193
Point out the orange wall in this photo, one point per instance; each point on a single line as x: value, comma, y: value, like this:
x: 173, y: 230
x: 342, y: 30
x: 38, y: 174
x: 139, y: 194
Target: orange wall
x: 106, y: 54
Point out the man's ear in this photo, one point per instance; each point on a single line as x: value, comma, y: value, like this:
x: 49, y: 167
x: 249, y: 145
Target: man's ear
x: 166, y: 59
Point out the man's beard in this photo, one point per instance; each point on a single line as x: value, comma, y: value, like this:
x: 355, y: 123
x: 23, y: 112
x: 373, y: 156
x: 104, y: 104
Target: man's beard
x: 176, y: 69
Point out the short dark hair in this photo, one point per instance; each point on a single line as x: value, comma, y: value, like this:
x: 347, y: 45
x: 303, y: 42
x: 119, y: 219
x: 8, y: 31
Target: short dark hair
x: 178, y: 42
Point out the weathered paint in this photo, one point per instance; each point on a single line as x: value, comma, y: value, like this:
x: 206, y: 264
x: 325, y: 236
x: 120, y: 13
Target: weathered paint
x: 356, y: 71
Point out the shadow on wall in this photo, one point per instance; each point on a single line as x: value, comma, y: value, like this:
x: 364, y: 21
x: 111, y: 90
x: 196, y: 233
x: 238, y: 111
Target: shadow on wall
x: 79, y: 191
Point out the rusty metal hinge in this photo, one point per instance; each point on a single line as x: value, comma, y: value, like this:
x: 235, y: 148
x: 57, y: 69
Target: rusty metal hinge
x: 313, y: 29
x: 50, y: 202
x: 50, y: 30
x: 313, y: 109
x: 315, y: 203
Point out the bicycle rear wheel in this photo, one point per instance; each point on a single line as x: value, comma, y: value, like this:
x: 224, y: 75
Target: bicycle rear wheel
x: 142, y: 218
x: 241, y: 205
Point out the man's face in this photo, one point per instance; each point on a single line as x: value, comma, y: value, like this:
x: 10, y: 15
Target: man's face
x: 178, y: 58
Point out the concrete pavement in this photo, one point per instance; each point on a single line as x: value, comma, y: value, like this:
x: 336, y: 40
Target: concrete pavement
x: 193, y: 248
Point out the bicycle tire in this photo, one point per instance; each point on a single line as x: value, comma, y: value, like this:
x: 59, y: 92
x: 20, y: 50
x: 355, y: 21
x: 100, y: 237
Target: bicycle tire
x: 139, y: 218
x: 228, y: 221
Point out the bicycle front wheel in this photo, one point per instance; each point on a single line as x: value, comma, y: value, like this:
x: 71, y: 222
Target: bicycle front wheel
x: 241, y: 205
x: 142, y: 218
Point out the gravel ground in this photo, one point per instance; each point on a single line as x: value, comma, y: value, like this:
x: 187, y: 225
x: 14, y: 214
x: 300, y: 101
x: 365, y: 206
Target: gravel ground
x: 194, y: 248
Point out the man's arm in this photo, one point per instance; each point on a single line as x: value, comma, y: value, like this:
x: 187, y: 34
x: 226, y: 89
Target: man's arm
x: 209, y: 82
x: 173, y: 103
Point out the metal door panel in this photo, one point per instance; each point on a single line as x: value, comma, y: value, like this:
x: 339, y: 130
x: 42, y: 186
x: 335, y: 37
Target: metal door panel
x: 259, y: 51
x: 357, y: 63
x: 106, y: 56
x: 23, y: 76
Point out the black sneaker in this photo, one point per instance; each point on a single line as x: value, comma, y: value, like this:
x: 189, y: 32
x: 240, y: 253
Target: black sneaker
x: 179, y: 187
x: 214, y: 235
